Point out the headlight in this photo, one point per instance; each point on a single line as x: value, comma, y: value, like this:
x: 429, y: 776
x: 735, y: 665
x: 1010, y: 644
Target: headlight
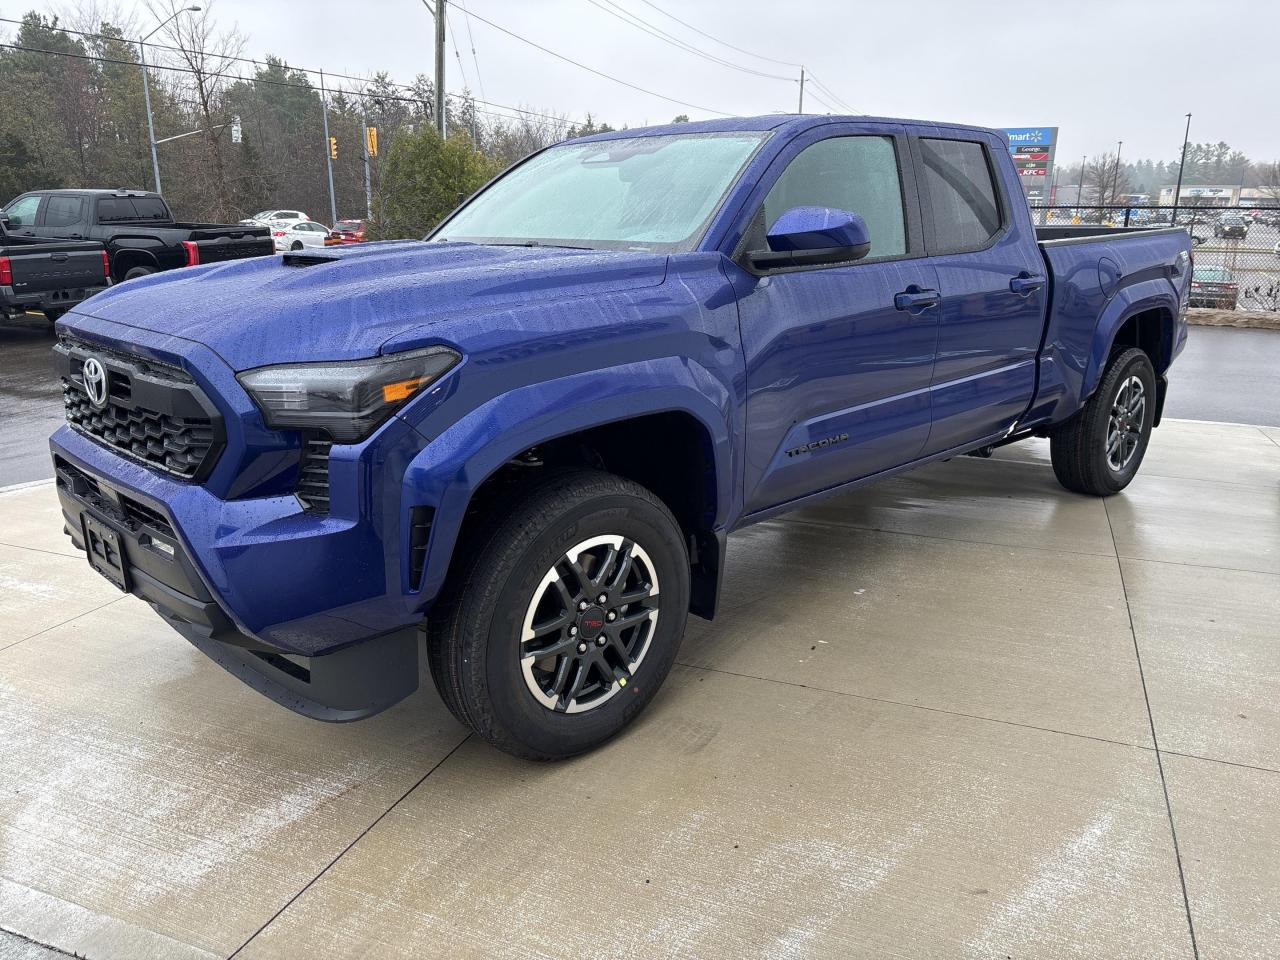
x: 346, y: 400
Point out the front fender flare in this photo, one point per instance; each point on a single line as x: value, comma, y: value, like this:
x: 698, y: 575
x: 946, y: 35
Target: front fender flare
x: 454, y: 464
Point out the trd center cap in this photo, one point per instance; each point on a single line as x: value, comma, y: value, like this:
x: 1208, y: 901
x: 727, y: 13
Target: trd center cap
x: 591, y: 622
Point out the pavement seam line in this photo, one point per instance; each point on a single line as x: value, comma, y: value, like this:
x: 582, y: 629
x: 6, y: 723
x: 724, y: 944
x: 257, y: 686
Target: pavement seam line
x: 1229, y: 763
x: 1269, y: 436
x: 40, y: 943
x: 50, y: 553
x: 343, y: 852
x: 930, y: 536
x: 1164, y: 783
x: 917, y: 706
x: 41, y: 633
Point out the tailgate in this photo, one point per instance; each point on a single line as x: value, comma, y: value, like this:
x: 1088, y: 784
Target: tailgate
x: 233, y: 247
x: 62, y: 268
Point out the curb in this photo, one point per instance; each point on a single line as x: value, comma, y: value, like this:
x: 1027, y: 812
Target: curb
x: 1247, y: 319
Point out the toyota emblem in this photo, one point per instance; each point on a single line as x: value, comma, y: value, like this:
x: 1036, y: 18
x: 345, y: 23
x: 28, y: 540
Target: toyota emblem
x: 95, y: 381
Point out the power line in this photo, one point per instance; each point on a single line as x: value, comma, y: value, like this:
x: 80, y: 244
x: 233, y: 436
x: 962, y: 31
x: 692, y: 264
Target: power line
x: 453, y: 35
x: 531, y: 118
x: 758, y: 56
x: 258, y: 65
x: 832, y: 94
x: 631, y: 20
x: 472, y: 40
x: 598, y: 73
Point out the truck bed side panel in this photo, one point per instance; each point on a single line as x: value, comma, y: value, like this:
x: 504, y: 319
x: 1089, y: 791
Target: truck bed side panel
x: 1097, y: 283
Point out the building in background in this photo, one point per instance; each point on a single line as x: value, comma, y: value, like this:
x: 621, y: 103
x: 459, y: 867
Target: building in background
x: 1032, y: 149
x: 1202, y: 195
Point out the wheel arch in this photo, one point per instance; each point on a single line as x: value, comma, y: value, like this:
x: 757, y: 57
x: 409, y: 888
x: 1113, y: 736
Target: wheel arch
x: 125, y: 260
x: 672, y: 438
x: 1143, y: 315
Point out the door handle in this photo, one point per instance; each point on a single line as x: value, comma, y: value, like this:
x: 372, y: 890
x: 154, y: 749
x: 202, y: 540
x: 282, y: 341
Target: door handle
x: 1024, y: 283
x: 916, y: 299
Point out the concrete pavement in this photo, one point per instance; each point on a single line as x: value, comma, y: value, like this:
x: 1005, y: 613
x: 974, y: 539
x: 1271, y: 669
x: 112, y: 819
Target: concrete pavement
x: 960, y: 714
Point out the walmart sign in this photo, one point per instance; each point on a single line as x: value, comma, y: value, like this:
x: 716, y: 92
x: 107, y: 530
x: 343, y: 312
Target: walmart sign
x: 1032, y: 149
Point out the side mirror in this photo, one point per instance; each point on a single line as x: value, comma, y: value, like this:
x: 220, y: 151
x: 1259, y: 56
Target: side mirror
x: 810, y: 236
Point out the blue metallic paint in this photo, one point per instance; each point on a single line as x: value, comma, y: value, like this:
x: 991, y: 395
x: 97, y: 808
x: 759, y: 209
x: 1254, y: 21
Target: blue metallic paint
x: 555, y: 341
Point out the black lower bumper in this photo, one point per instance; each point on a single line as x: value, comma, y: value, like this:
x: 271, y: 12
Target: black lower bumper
x: 134, y: 546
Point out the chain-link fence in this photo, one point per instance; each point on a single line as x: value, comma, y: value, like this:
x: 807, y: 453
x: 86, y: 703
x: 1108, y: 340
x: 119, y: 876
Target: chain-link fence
x: 1236, y: 249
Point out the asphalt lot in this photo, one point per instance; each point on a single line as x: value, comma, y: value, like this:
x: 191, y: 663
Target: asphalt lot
x: 986, y: 718
x: 1225, y: 374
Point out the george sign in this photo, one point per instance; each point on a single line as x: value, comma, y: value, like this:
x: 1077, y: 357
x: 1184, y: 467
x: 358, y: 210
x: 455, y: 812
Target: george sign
x: 1032, y: 150
x: 371, y: 140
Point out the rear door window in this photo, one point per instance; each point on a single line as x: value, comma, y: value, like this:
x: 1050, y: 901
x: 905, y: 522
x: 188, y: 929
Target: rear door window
x: 960, y: 194
x: 62, y: 211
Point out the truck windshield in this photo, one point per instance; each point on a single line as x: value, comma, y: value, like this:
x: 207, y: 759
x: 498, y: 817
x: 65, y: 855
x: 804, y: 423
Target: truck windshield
x: 641, y: 193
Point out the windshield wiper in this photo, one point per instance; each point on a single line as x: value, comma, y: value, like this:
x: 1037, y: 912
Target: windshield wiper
x: 538, y: 243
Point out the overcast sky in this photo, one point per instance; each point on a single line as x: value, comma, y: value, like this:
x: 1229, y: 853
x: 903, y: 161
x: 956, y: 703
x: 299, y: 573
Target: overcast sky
x: 1101, y: 71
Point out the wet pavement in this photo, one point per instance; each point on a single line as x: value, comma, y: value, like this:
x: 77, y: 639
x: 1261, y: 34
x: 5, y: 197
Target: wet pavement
x: 985, y: 718
x: 30, y: 399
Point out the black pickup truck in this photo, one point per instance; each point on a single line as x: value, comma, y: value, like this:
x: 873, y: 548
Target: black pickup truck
x: 48, y: 275
x: 136, y: 227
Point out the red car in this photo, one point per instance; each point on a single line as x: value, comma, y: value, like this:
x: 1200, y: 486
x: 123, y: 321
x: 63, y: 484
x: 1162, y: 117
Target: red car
x: 347, y: 231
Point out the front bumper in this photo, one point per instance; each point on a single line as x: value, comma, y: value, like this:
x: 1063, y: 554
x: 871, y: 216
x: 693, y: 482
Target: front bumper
x: 134, y: 545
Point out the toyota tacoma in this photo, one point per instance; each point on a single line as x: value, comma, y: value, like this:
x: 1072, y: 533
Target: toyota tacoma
x: 517, y: 447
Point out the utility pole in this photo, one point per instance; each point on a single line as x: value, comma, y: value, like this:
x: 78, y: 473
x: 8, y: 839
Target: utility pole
x: 800, y: 109
x: 328, y: 154
x: 1177, y: 191
x: 440, y: 13
x: 146, y: 90
x: 368, y: 190
x: 1080, y: 189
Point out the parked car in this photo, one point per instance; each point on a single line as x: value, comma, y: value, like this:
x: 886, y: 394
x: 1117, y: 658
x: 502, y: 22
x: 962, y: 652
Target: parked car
x: 276, y: 216
x: 1231, y: 227
x: 136, y: 227
x: 1214, y: 287
x: 348, y: 231
x: 48, y: 275
x: 295, y: 236
x: 537, y: 428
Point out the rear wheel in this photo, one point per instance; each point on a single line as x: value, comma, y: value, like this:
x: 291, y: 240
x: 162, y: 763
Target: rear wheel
x: 297, y: 245
x: 134, y: 272
x: 563, y: 617
x: 1100, y: 449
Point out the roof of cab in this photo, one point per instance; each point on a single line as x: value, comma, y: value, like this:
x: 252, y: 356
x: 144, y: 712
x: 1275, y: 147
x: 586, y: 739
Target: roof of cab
x: 793, y: 122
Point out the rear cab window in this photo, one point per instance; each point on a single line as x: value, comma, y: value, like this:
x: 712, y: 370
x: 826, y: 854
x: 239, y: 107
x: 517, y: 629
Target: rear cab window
x: 959, y: 194
x: 62, y: 211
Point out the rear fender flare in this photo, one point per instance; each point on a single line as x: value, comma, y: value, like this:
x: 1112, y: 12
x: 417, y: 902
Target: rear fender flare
x: 453, y: 465
x: 1153, y: 294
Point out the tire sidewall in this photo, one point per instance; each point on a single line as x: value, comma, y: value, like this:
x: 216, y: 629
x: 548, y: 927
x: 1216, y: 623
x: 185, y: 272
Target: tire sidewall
x: 1138, y: 365
x: 134, y: 273
x: 513, y: 705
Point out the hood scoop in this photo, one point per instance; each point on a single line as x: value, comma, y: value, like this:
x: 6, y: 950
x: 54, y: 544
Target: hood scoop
x: 307, y: 259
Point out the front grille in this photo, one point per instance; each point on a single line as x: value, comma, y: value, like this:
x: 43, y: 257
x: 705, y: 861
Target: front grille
x: 312, y: 486
x: 152, y: 412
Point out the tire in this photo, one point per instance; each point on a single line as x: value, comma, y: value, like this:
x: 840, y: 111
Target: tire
x: 476, y: 633
x: 297, y: 245
x: 1079, y: 448
x: 134, y: 272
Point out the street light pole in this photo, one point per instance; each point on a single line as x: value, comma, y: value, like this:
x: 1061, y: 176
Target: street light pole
x: 146, y: 91
x: 1182, y: 165
x: 1115, y: 180
x: 440, y: 79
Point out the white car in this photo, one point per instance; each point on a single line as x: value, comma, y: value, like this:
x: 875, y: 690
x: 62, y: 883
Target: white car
x: 295, y: 236
x: 273, y: 216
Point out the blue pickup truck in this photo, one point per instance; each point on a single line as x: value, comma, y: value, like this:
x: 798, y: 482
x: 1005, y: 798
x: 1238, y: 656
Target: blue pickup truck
x: 520, y: 444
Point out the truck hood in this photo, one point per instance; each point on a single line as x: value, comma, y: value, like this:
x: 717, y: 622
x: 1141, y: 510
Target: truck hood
x: 345, y: 303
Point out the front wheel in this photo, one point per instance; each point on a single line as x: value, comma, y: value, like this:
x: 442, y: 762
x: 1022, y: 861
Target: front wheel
x: 562, y: 617
x: 1099, y: 450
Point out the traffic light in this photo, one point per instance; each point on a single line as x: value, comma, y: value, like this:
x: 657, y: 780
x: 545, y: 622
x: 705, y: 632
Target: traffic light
x: 371, y: 140
x: 333, y: 148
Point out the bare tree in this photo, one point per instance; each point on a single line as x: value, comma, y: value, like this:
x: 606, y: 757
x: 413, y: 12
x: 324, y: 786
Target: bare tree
x: 1105, y: 180
x: 210, y: 57
x: 1269, y: 179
